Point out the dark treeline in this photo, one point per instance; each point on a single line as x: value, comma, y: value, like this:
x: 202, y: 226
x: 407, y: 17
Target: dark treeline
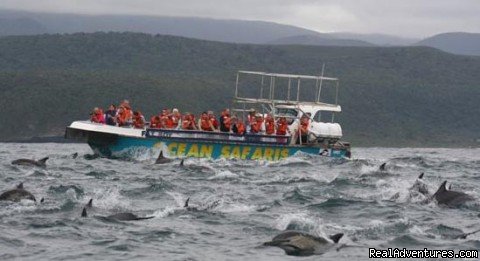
x: 398, y: 96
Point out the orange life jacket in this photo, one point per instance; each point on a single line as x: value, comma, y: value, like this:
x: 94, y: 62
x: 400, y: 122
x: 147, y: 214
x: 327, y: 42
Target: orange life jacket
x: 169, y: 123
x: 240, y: 128
x: 227, y: 122
x: 188, y: 123
x: 214, y: 121
x: 138, y: 121
x: 124, y: 116
x: 205, y: 124
x: 155, y: 122
x: 270, y: 127
x: 282, y: 127
x: 256, y: 127
x: 304, y: 127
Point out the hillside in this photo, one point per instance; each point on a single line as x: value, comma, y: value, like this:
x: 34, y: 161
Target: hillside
x: 457, y: 43
x: 409, y: 96
x: 234, y: 31
x: 319, y: 40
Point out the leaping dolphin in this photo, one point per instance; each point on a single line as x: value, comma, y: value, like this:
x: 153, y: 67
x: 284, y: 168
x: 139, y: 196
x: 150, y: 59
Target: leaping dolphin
x: 450, y: 198
x: 31, y: 162
x: 17, y: 194
x: 162, y: 160
x: 297, y: 243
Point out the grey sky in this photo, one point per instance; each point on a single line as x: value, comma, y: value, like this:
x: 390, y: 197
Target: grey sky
x: 414, y: 18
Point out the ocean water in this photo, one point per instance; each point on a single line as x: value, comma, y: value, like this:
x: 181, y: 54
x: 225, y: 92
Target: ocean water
x: 243, y: 203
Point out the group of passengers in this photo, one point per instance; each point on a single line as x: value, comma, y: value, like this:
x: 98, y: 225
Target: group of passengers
x: 172, y: 119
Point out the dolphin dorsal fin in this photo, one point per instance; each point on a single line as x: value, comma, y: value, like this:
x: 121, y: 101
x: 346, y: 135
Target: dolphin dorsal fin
x: 84, y: 212
x: 181, y: 163
x: 42, y: 200
x: 160, y: 156
x: 335, y: 238
x: 20, y: 186
x: 89, y: 204
x: 442, y: 188
x: 43, y: 160
x: 382, y: 167
x: 421, y: 176
x: 186, y: 202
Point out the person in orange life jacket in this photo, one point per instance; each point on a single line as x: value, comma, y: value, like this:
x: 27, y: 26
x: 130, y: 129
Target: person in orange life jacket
x: 204, y: 123
x: 176, y: 118
x: 269, y: 125
x: 124, y: 117
x: 138, y: 120
x: 111, y: 115
x: 213, y: 119
x: 282, y: 126
x: 225, y: 121
x: 237, y: 126
x: 125, y: 104
x: 188, y: 122
x: 97, y: 116
x: 164, y: 118
x: 303, y: 128
x: 250, y: 119
x: 155, y: 122
x: 258, y: 126
x: 170, y: 122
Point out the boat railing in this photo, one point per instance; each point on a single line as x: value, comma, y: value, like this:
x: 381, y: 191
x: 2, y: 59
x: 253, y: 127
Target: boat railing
x: 197, y: 135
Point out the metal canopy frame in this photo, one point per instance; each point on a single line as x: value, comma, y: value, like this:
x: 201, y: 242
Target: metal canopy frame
x: 267, y: 91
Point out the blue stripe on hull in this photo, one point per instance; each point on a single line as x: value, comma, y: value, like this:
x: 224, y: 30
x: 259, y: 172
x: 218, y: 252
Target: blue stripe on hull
x: 130, y: 147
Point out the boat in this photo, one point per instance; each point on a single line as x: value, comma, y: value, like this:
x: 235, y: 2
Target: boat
x: 282, y: 95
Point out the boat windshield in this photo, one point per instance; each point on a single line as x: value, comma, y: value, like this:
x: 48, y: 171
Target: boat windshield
x: 286, y: 112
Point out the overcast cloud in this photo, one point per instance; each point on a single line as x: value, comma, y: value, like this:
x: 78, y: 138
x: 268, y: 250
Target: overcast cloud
x: 413, y: 18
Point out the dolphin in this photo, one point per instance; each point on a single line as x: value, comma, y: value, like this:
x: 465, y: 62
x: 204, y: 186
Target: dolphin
x: 450, y: 198
x: 75, y: 155
x: 297, y: 243
x: 182, y: 163
x: 17, y: 194
x: 124, y: 216
x: 162, y: 160
x: 205, y: 208
x: 420, y: 186
x: 465, y: 235
x: 31, y: 162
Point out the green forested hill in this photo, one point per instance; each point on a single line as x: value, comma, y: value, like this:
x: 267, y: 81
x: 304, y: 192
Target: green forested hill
x: 409, y: 96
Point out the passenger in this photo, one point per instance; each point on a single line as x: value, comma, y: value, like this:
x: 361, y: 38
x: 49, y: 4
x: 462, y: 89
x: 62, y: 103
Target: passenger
x: 205, y: 123
x: 269, y: 125
x: 111, y: 115
x: 213, y: 119
x: 188, y: 122
x: 258, y: 126
x: 225, y: 121
x: 97, y: 116
x: 176, y: 118
x: 237, y: 126
x: 282, y: 126
x: 125, y: 104
x: 164, y: 117
x: 138, y: 120
x: 170, y: 123
x: 155, y: 122
x: 124, y: 117
x: 250, y: 119
x: 303, y: 129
